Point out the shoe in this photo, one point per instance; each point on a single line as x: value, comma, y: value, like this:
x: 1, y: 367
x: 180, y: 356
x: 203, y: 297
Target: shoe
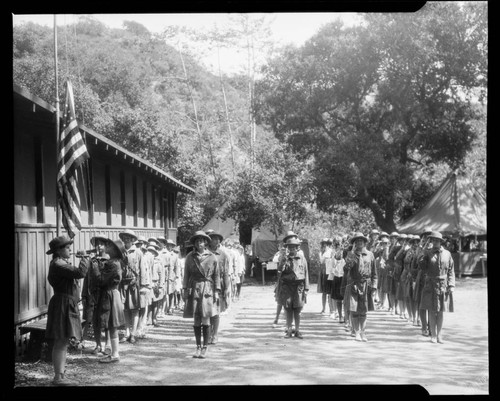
x: 425, y: 333
x: 298, y: 334
x: 132, y: 339
x: 332, y: 316
x: 363, y: 337
x: 288, y: 333
x: 322, y: 312
x: 97, y: 350
x: 358, y: 337
x: 440, y: 340
x: 215, y: 340
x: 275, y: 324
x: 203, y: 352
x: 433, y: 339
x: 156, y: 324
x: 62, y: 381
x: 109, y: 359
x: 197, y: 352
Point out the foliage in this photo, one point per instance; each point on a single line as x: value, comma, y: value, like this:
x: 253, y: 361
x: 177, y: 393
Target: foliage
x: 376, y: 104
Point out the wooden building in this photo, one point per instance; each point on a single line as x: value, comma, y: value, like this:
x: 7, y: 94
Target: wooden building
x: 126, y: 192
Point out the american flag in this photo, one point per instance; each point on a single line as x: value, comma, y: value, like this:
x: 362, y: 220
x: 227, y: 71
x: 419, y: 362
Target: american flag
x: 72, y: 153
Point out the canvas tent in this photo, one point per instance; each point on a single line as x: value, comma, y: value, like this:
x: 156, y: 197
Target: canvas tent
x: 228, y: 228
x: 456, y: 209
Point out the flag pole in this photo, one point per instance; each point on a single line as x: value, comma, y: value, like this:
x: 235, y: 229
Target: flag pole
x: 58, y: 212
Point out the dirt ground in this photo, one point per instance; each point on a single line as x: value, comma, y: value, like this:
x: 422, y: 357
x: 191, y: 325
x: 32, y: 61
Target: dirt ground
x: 251, y: 352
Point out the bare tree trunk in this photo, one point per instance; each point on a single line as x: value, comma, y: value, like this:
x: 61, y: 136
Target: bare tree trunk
x: 200, y: 137
x: 227, y: 111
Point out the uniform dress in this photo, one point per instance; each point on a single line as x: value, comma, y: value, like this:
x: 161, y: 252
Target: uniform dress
x: 225, y: 280
x: 91, y: 288
x: 131, y: 289
x: 63, y: 314
x: 439, y: 276
x: 110, y: 305
x: 294, y: 281
x: 157, y: 280
x: 325, y: 285
x: 399, y: 273
x: 338, y: 274
x: 171, y: 273
x: 362, y: 276
x: 409, y: 274
x: 201, y: 281
x: 381, y: 266
x: 391, y: 283
x: 146, y: 284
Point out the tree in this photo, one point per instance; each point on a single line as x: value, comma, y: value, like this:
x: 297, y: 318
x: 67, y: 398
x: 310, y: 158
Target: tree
x: 375, y: 104
x: 275, y: 193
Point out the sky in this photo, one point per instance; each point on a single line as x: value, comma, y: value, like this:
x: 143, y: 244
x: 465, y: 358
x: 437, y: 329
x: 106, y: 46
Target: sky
x: 293, y: 28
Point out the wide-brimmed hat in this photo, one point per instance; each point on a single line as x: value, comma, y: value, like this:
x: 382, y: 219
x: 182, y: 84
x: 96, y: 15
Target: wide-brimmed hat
x: 326, y: 241
x: 402, y: 236
x: 171, y: 242
x: 153, y: 249
x: 427, y: 231
x: 437, y: 235
x: 383, y: 234
x: 292, y: 241
x: 414, y: 238
x: 209, y: 231
x: 385, y: 240
x: 58, y: 242
x: 288, y: 235
x: 118, y: 245
x: 163, y: 240
x: 199, y: 234
x: 99, y: 238
x: 128, y: 232
x: 213, y: 233
x: 394, y: 234
x: 374, y: 231
x: 358, y: 235
x: 154, y: 241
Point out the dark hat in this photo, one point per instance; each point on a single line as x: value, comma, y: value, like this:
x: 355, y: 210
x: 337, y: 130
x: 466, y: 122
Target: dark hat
x: 383, y: 234
x: 128, y: 232
x: 153, y: 249
x: 99, y: 238
x: 169, y: 241
x: 57, y: 243
x: 163, y: 240
x: 118, y: 245
x: 213, y: 233
x: 199, y: 234
x: 437, y: 235
x: 358, y: 235
x: 292, y: 241
x: 326, y: 241
x: 288, y: 235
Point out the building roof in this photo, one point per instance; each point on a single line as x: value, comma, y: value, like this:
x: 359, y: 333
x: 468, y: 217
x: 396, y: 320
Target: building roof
x: 109, y: 144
